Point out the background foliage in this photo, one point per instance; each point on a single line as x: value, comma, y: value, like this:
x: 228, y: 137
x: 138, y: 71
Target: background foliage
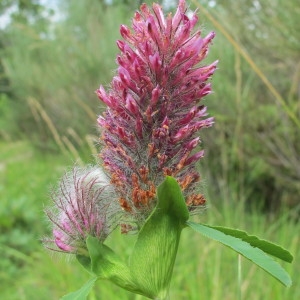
x: 52, y: 60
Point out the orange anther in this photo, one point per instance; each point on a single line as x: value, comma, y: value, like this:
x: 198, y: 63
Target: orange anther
x: 124, y: 204
x: 195, y: 200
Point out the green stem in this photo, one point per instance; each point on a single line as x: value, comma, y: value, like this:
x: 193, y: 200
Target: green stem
x: 239, y: 277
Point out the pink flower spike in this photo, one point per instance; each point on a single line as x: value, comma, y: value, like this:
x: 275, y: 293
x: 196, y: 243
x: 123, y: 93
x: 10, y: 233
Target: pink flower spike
x: 154, y: 116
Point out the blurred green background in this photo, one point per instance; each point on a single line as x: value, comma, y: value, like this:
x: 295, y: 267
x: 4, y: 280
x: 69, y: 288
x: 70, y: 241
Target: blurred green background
x: 54, y: 55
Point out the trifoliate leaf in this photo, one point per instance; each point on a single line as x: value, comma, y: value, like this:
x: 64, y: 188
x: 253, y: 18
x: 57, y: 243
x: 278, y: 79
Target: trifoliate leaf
x: 256, y: 255
x: 266, y: 246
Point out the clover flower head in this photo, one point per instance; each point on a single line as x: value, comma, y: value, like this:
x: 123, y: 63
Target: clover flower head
x: 82, y: 206
x: 151, y: 126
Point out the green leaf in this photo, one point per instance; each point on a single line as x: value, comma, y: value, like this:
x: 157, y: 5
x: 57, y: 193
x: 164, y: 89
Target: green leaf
x: 256, y: 255
x: 154, y: 253
x: 266, y: 246
x: 106, y: 264
x: 85, y: 262
x: 82, y: 293
x: 171, y: 201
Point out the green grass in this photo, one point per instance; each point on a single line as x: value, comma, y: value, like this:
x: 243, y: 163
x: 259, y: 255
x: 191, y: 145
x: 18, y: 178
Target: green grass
x: 203, y: 270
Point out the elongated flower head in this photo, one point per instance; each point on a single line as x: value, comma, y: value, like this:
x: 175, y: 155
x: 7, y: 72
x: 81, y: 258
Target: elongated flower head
x: 82, y: 206
x: 151, y: 126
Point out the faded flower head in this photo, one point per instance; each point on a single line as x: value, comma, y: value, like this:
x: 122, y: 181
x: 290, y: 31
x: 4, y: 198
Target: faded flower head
x: 82, y: 206
x: 150, y: 127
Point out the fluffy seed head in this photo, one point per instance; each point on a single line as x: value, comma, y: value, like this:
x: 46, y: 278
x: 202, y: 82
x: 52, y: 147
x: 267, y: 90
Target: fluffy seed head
x: 82, y: 205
